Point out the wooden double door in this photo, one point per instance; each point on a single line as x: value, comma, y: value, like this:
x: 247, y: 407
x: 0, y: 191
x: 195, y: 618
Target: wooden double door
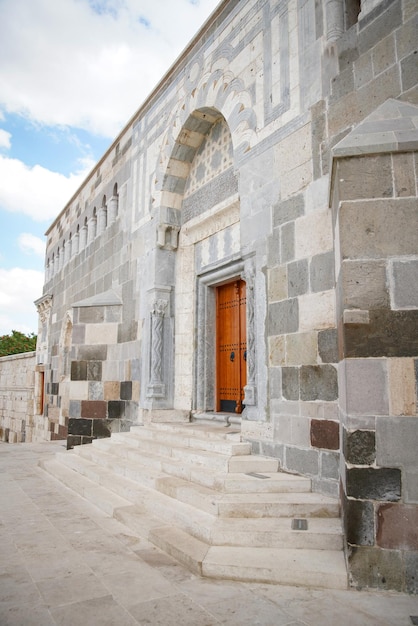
x: 231, y: 346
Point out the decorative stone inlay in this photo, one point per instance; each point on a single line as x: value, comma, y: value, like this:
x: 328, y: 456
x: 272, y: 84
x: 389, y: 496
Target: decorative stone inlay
x: 214, y: 156
x: 156, y: 387
x: 250, y: 389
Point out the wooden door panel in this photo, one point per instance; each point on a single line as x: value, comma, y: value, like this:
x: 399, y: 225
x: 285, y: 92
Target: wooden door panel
x: 230, y: 346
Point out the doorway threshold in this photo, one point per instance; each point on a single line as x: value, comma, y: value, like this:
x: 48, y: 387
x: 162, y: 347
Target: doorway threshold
x: 229, y: 418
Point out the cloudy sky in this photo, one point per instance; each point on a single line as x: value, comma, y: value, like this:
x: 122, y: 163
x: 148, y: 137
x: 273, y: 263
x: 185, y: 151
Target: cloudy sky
x: 72, y: 73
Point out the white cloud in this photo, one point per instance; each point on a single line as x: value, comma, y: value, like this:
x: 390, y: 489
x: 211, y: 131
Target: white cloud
x: 90, y: 64
x: 18, y: 290
x: 36, y: 191
x: 5, y: 139
x: 30, y: 244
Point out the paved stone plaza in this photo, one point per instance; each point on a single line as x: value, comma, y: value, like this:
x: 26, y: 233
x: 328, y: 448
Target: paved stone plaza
x: 64, y: 562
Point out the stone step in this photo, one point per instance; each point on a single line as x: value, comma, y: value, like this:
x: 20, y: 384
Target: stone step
x: 176, y: 499
x: 214, y: 459
x: 310, y: 568
x: 321, y: 533
x: 182, y: 461
x: 190, y: 439
x: 201, y: 429
x: 101, y: 497
x: 278, y: 482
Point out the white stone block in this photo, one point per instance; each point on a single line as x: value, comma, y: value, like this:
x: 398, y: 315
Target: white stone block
x: 317, y: 311
x: 313, y: 234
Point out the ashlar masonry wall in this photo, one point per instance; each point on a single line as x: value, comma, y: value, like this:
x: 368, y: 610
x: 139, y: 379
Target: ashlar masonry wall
x: 17, y: 394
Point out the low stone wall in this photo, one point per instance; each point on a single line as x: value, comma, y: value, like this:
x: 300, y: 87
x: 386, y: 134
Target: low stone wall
x: 17, y: 392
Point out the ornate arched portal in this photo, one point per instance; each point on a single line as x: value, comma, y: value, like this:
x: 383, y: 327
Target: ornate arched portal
x: 198, y: 218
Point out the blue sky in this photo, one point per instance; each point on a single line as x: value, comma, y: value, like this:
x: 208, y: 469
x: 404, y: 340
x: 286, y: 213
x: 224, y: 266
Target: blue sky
x: 72, y: 73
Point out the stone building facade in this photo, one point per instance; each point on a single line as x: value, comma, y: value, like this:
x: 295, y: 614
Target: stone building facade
x: 278, y: 157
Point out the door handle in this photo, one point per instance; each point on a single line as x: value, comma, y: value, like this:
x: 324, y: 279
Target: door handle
x: 245, y: 355
x: 232, y: 357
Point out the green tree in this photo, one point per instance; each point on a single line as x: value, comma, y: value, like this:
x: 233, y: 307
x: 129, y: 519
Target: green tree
x: 16, y: 343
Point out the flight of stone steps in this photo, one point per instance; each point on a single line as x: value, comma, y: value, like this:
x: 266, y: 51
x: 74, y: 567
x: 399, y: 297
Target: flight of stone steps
x: 195, y: 491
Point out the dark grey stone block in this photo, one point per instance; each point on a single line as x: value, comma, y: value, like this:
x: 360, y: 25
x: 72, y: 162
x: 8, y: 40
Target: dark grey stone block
x: 283, y: 317
x: 94, y: 370
x: 290, y: 383
x: 409, y: 70
x: 91, y: 314
x: 126, y: 390
x: 411, y: 572
x: 116, y: 409
x: 92, y: 353
x: 275, y: 450
x: 302, y: 461
x: 322, y: 273
x: 318, y: 382
x: 359, y: 522
x: 379, y: 23
x: 330, y: 465
x: 80, y: 426
x: 373, y: 567
x: 405, y: 289
x: 297, y: 278
x: 374, y: 484
x: 287, y: 244
x: 360, y: 447
x: 328, y: 345
x: 78, y: 370
x: 288, y: 210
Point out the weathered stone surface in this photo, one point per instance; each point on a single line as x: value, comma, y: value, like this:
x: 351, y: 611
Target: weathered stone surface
x: 373, y: 567
x: 298, y: 278
x: 303, y: 461
x: 301, y: 348
x: 96, y: 390
x: 116, y: 409
x: 378, y: 228
x: 365, y: 177
x: 126, y: 390
x: 359, y: 522
x: 290, y: 383
x: 78, y: 370
x: 389, y: 333
x: 93, y: 409
x: 283, y: 317
x: 94, y: 370
x: 318, y: 382
x: 328, y: 345
x: 80, y: 426
x: 92, y: 353
x: 330, y: 465
x: 405, y: 284
x: 409, y: 71
x: 397, y: 527
x: 102, y: 428
x: 365, y: 386
x: 288, y: 210
x: 411, y: 572
x: 325, y: 434
x: 404, y: 174
x: 359, y: 447
x: 402, y: 387
x: 321, y: 272
x: 364, y: 284
x: 287, y: 242
x: 396, y: 439
x: 374, y: 483
x: 91, y: 314
x: 277, y: 283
